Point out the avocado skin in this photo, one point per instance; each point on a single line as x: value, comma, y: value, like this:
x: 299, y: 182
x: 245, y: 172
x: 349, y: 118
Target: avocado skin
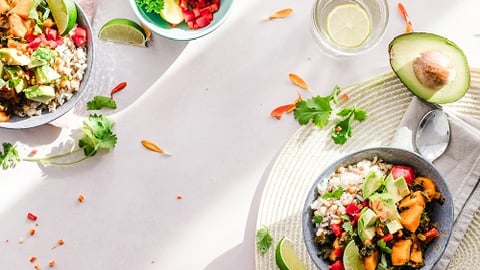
x: 404, y: 49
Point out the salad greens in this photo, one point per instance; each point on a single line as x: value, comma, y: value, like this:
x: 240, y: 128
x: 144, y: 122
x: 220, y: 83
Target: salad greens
x: 319, y: 110
x: 97, y: 135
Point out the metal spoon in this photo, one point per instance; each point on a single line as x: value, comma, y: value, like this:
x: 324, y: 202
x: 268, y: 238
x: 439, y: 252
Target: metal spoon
x: 432, y: 135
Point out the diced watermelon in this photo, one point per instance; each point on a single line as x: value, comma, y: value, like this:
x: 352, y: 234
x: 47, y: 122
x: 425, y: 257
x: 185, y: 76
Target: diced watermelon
x: 79, y: 37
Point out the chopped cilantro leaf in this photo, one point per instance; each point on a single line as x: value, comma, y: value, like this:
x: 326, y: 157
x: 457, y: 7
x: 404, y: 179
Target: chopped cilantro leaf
x: 10, y: 157
x: 334, y: 194
x: 97, y: 134
x: 264, y: 239
x: 317, y: 219
x: 150, y: 5
x: 99, y: 102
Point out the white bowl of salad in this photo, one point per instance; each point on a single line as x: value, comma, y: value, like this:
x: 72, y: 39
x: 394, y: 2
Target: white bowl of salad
x: 46, y: 57
x: 181, y: 20
x: 379, y: 208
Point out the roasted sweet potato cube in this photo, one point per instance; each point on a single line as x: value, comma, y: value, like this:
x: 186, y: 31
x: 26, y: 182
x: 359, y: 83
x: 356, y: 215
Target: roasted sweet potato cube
x: 416, y: 255
x: 401, y: 252
x: 416, y: 198
x: 410, y: 218
x: 429, y: 187
x: 370, y: 262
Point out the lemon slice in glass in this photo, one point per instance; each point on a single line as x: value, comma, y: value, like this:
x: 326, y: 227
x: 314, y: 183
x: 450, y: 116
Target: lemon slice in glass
x: 348, y: 25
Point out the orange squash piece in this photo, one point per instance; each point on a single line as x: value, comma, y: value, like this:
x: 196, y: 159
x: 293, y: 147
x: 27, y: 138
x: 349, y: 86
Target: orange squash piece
x: 401, y: 252
x: 416, y: 198
x: 410, y: 218
x: 4, y: 6
x: 22, y: 8
x: 370, y: 262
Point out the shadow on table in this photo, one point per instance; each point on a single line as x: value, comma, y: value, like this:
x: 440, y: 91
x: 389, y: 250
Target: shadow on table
x: 244, y: 253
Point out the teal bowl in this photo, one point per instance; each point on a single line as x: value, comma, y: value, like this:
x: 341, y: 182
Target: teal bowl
x: 181, y: 32
x: 442, y: 213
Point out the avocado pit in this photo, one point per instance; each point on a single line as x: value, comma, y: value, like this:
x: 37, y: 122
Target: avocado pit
x: 433, y: 69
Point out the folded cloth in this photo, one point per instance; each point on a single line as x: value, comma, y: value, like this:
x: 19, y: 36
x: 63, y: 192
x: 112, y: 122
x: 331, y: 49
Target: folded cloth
x: 460, y: 166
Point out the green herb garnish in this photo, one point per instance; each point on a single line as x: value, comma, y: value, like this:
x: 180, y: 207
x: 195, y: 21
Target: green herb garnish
x: 317, y: 219
x: 97, y: 135
x: 334, y: 194
x: 150, y: 5
x: 100, y: 102
x: 264, y: 239
x: 318, y: 110
x: 383, y: 246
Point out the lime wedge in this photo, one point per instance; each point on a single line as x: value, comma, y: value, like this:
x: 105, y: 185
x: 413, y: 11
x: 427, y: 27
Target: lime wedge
x: 285, y: 256
x: 171, y: 12
x: 348, y: 25
x: 64, y: 13
x: 351, y: 257
x: 123, y: 31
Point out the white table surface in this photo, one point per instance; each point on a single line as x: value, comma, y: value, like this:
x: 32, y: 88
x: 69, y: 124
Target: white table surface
x: 208, y: 103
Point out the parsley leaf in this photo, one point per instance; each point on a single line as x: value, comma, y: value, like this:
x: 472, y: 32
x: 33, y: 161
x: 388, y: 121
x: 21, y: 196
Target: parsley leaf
x: 264, y: 239
x: 334, y: 194
x: 97, y: 134
x: 10, y: 157
x: 343, y: 128
x: 99, y: 102
x: 150, y: 5
x: 347, y: 227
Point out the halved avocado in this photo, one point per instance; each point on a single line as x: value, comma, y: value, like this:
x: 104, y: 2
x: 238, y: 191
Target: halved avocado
x: 432, y: 67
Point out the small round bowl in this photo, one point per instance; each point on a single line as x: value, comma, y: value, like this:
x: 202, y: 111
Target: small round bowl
x: 181, y: 32
x: 377, y: 11
x: 16, y: 122
x: 443, y: 214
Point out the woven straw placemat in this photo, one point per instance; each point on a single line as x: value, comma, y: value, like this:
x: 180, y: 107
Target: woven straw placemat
x: 310, y: 150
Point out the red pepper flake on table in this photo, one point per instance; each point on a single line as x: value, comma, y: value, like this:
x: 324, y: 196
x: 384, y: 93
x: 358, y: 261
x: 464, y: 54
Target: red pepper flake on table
x: 32, y: 216
x: 283, y: 13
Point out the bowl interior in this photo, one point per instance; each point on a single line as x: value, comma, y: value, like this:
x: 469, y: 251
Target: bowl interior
x: 181, y: 32
x: 46, y: 117
x: 443, y: 214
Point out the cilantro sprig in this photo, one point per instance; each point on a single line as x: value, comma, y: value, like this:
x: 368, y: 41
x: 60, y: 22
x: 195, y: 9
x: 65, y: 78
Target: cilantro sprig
x: 150, y: 5
x: 264, y: 239
x: 100, y: 102
x: 320, y: 110
x: 97, y: 135
x: 336, y: 194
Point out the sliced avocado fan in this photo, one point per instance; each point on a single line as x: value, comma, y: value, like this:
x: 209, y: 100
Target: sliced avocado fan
x: 432, y: 67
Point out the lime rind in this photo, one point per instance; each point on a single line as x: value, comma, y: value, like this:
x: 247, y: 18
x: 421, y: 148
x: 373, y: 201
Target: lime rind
x: 123, y: 31
x: 285, y: 256
x: 64, y: 13
x: 351, y: 257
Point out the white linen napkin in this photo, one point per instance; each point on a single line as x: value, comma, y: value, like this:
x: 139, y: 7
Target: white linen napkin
x: 460, y: 166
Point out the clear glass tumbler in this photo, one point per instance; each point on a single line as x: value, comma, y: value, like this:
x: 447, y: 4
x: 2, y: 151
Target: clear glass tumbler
x: 376, y: 11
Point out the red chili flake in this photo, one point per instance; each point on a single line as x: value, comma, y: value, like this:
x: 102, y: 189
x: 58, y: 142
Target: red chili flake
x: 31, y: 216
x: 345, y: 96
x: 118, y: 88
x: 281, y: 110
x: 51, y: 263
x: 37, y: 267
x: 403, y: 12
x: 33, y: 152
x: 60, y: 242
x: 33, y: 259
x: 81, y: 198
x: 179, y: 197
x: 338, y: 129
x: 31, y: 231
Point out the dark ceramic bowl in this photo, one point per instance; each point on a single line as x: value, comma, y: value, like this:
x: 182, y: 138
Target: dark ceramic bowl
x: 443, y: 214
x: 16, y: 122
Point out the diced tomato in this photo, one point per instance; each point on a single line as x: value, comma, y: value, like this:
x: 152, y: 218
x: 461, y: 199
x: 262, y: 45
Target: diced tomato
x: 407, y: 172
x: 198, y: 13
x: 431, y: 234
x: 337, y: 265
x: 352, y: 209
x: 51, y: 34
x: 79, y: 37
x: 387, y: 237
x: 337, y: 229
